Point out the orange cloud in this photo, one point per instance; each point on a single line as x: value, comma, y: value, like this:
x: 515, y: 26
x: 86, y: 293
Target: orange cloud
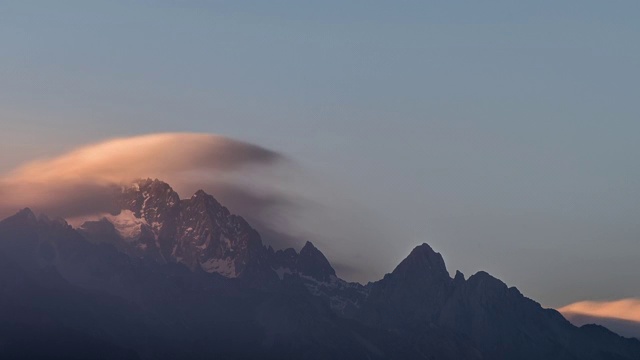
x: 625, y: 309
x: 82, y: 181
x: 155, y: 155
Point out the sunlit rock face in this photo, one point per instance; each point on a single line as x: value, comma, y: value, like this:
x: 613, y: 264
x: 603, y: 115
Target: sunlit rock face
x: 154, y: 223
x: 198, y: 232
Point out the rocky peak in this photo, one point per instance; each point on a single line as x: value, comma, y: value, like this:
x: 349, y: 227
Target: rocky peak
x: 420, y: 284
x: 198, y: 231
x: 459, y: 277
x: 488, y: 289
x: 24, y: 216
x: 423, y: 262
x: 205, y: 203
x: 151, y: 200
x: 202, y: 234
x: 312, y: 262
x: 482, y: 279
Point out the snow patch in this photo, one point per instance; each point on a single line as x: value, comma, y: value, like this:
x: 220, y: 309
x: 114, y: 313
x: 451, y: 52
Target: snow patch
x: 127, y: 224
x: 281, y: 271
x: 156, y: 226
x: 225, y: 267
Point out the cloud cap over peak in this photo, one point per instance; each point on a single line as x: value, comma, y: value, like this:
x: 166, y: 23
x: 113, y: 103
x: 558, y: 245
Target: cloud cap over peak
x: 82, y: 181
x: 154, y: 155
x: 284, y: 201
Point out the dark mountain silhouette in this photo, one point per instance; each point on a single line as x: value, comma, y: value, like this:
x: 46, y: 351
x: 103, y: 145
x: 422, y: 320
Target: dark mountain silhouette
x: 626, y: 328
x: 174, y: 278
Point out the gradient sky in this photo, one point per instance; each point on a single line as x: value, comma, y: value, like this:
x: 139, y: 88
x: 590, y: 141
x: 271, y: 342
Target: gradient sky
x: 503, y: 134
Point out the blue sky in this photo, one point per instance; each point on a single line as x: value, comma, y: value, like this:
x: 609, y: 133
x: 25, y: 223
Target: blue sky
x: 502, y: 133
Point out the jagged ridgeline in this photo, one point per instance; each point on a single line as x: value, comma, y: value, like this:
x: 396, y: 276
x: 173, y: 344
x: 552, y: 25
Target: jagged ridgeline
x: 168, y: 278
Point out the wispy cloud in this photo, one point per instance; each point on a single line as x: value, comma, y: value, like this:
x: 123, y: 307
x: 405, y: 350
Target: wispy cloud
x: 625, y: 309
x: 621, y: 316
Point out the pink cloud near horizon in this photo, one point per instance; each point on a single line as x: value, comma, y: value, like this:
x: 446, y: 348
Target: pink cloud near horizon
x: 620, y: 316
x: 624, y: 309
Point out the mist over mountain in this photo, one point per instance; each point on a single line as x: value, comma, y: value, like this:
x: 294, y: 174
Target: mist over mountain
x: 287, y: 206
x: 161, y: 277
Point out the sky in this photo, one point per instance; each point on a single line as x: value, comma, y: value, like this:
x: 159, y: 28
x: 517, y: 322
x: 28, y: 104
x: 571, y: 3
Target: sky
x: 503, y: 134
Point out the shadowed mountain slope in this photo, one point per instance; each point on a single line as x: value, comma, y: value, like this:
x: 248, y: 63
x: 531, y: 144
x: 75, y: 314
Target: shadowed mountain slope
x: 184, y: 278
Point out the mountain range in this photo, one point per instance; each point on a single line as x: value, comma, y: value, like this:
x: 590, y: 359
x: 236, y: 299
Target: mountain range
x: 166, y: 278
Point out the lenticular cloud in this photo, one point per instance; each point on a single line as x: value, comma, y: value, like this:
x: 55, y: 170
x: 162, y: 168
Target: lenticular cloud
x: 82, y: 181
x: 149, y: 155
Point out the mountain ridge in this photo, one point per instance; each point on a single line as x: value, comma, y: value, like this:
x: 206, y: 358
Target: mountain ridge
x: 164, y: 256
